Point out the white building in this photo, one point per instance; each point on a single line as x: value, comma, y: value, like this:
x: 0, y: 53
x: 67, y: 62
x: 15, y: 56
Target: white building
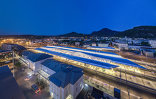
x: 100, y: 48
x: 77, y: 43
x: 65, y: 81
x: 33, y: 60
x: 149, y: 52
x: 152, y: 43
x: 93, y: 44
x: 103, y: 44
x: 86, y: 45
x: 134, y: 47
x: 122, y: 46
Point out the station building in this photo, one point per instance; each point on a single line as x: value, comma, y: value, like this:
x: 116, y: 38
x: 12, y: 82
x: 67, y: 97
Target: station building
x: 100, y: 61
x: 64, y: 81
x: 33, y: 60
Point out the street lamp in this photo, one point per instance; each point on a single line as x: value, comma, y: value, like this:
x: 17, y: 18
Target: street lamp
x: 13, y: 62
x: 126, y: 83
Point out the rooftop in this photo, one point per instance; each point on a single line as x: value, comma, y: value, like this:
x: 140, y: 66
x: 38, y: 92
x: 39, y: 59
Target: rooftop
x: 105, y: 55
x: 79, y: 59
x: 34, y: 57
x: 16, y: 46
x: 109, y: 56
x: 102, y: 47
x: 26, y: 53
x: 65, y: 73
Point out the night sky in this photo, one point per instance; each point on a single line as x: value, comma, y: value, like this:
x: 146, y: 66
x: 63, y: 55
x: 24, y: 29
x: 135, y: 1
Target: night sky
x: 53, y: 17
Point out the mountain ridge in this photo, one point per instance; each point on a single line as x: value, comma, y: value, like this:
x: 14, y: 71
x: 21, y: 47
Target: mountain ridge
x: 135, y: 32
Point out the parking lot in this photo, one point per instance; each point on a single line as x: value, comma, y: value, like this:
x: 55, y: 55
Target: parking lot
x: 20, y: 75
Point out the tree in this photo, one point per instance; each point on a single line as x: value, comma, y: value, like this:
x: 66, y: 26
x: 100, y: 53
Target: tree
x: 18, y: 64
x: 145, y: 43
x: 41, y: 83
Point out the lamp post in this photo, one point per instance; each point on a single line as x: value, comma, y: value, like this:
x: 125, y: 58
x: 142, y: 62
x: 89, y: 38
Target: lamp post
x: 13, y: 62
x: 127, y: 85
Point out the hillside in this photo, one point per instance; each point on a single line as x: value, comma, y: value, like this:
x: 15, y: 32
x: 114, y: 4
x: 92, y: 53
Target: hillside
x: 139, y: 32
x: 105, y: 32
x: 72, y: 34
x: 136, y: 32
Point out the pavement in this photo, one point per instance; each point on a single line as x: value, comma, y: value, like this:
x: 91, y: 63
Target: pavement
x: 26, y: 85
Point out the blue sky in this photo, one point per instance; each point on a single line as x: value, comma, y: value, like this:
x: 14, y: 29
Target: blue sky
x: 53, y: 17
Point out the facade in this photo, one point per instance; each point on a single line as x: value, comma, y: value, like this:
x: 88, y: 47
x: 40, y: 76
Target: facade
x: 65, y: 81
x: 122, y: 46
x: 33, y: 60
x: 100, y: 48
x: 149, y: 52
x: 86, y: 45
x: 152, y: 43
x: 134, y: 47
x: 103, y: 44
x: 77, y: 43
x: 94, y: 44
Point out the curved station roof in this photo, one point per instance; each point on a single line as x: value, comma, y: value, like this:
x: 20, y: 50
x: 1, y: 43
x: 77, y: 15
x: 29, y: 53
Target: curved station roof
x: 109, y: 56
x: 79, y: 59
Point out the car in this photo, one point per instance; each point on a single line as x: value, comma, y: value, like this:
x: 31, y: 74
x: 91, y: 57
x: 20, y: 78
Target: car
x: 23, y: 69
x: 28, y: 77
x: 35, y: 88
x: 6, y: 62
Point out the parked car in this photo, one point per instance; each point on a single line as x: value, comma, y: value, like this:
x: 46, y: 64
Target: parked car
x: 6, y: 62
x: 23, y: 69
x: 35, y: 88
x: 28, y: 77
